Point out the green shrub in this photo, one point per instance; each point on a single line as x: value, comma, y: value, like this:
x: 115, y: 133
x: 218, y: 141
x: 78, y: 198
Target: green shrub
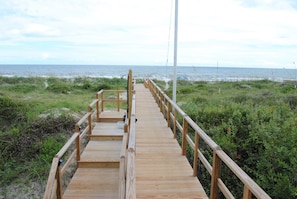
x: 292, y: 101
x: 50, y: 147
x: 11, y: 112
x: 103, y: 86
x: 255, y: 124
x: 59, y: 88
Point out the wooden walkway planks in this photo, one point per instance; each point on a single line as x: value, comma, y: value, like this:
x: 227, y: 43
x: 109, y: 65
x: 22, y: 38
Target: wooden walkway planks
x: 97, y: 175
x: 102, y: 153
x: 93, y: 183
x: 161, y: 170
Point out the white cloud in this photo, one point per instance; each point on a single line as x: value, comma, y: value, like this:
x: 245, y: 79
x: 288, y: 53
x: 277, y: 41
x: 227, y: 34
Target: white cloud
x: 40, y: 30
x: 236, y: 32
x: 45, y: 55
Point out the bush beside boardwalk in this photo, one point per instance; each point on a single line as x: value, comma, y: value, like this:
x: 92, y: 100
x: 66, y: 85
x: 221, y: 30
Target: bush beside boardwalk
x: 254, y: 122
x: 37, y: 116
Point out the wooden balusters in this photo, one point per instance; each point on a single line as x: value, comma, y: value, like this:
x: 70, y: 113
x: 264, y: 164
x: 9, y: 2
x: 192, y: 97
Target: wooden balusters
x: 216, y: 172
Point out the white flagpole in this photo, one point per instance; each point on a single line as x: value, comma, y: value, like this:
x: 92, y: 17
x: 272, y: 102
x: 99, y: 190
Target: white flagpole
x: 175, y: 52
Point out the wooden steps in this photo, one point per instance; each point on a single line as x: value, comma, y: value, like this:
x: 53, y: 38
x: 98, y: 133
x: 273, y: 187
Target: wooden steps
x: 102, y: 153
x: 107, y: 131
x: 97, y: 175
x: 91, y: 183
x: 111, y: 116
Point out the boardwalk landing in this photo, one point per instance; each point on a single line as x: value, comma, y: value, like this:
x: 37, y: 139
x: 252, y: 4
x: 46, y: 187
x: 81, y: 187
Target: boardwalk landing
x: 161, y: 170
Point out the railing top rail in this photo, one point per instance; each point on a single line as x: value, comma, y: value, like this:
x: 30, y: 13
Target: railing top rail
x: 202, y: 134
x: 132, y: 136
x: 67, y: 145
x: 175, y: 106
x: 84, y: 118
x: 245, y: 178
x: 51, y: 178
x: 93, y: 103
x: 110, y: 91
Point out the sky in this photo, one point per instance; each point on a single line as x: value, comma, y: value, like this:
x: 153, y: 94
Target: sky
x: 235, y: 33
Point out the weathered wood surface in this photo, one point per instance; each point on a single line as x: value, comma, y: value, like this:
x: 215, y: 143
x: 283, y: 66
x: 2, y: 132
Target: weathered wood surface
x: 98, y: 174
x: 107, y: 131
x: 111, y: 116
x: 105, y: 153
x: 161, y: 170
x: 91, y: 183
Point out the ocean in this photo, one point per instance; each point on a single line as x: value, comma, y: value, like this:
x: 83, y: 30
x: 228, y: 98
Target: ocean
x: 155, y: 72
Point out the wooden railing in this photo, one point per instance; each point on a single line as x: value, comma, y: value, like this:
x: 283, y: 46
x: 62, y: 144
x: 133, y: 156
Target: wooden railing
x: 83, y: 127
x: 127, y: 180
x: 108, y: 97
x: 130, y: 177
x: 62, y: 161
x: 172, y: 112
x: 127, y: 183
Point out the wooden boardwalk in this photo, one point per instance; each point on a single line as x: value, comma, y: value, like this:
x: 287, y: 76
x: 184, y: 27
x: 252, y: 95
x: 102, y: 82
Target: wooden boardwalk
x: 161, y: 170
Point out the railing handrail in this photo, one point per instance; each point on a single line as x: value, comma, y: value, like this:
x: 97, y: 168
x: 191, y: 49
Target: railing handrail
x: 132, y: 136
x: 250, y: 186
x: 101, y: 100
x: 51, y: 179
x: 55, y: 166
x: 130, y: 169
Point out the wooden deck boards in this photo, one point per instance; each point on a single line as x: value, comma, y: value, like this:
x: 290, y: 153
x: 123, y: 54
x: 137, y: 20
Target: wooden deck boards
x: 91, y: 183
x: 101, y: 154
x: 111, y: 116
x: 107, y: 131
x: 161, y: 170
x: 97, y: 175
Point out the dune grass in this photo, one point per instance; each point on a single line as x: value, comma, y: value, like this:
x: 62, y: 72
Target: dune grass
x: 254, y: 122
x: 37, y: 116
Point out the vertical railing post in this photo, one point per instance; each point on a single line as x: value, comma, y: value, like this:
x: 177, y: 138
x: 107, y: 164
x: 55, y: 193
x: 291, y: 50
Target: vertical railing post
x: 163, y: 105
x: 159, y: 98
x: 174, y: 127
x: 161, y: 102
x: 216, y: 172
x: 78, y: 148
x: 195, y: 163
x: 90, y: 120
x: 97, y: 107
x: 130, y: 88
x: 118, y: 101
x: 77, y: 129
x: 59, y: 181
x: 102, y: 101
x: 185, y: 132
x: 168, y: 113
x: 247, y: 194
x: 156, y: 94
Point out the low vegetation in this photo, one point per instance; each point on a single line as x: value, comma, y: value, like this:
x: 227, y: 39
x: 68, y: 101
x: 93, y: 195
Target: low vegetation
x: 254, y: 122
x: 37, y: 116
